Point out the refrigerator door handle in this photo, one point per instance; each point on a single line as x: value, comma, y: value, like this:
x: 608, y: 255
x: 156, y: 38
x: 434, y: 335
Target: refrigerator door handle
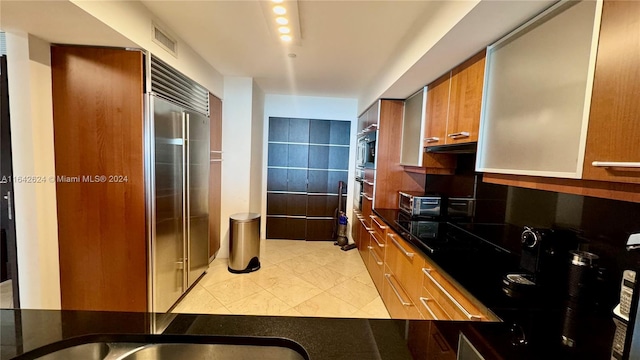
x: 187, y: 171
x: 185, y: 205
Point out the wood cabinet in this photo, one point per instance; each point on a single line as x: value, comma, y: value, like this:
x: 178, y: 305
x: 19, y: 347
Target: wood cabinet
x: 215, y: 174
x: 455, y: 304
x: 437, y: 111
x: 401, y: 279
x: 98, y: 116
x: 614, y: 124
x: 465, y: 100
x: 411, y: 285
x: 454, y: 102
x: 614, y: 121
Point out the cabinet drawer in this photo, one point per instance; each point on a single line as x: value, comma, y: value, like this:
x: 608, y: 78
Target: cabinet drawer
x: 365, y: 238
x: 367, y: 203
x: 379, y: 226
x: 396, y: 299
x: 378, y: 243
x: 375, y: 265
x: 429, y: 307
x: 452, y: 301
x: 406, y: 264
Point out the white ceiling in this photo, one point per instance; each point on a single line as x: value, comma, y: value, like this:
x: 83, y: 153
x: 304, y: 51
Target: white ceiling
x: 58, y: 22
x: 362, y: 49
x: 344, y: 43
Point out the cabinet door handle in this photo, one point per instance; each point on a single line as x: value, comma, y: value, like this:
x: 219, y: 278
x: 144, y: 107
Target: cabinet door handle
x: 393, y: 287
x: 375, y: 257
x: 367, y: 197
x: 616, y: 164
x: 365, y: 225
x: 432, y: 139
x: 397, y: 244
x: 424, y: 300
x: 373, y: 235
x: 459, y: 135
x: 373, y: 217
x: 449, y: 296
x: 368, y: 182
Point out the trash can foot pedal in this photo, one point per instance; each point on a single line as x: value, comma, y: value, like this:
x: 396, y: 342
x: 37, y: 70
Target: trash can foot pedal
x: 254, y: 265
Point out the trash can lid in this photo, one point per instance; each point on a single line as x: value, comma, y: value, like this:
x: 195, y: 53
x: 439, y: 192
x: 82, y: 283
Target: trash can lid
x: 245, y: 216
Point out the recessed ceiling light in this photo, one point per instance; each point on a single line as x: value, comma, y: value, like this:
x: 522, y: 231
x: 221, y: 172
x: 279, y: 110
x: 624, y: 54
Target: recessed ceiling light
x: 279, y: 10
x: 284, y: 30
x: 277, y: 1
x: 282, y: 20
x: 285, y: 37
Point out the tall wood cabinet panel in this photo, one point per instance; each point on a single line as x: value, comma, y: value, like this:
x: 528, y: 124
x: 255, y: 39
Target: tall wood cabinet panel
x: 467, y: 80
x: 98, y: 130
x: 215, y: 174
x: 390, y: 175
x: 614, y: 121
x: 437, y: 111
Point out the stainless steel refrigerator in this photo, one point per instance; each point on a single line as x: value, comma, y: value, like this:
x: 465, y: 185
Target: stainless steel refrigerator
x: 178, y: 169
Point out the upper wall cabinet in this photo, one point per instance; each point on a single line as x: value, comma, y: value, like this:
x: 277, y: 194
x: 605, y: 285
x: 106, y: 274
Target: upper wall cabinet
x: 437, y: 111
x: 613, y: 145
x: 412, y: 123
x: 465, y: 100
x: 453, y: 104
x: 368, y: 121
x: 537, y: 93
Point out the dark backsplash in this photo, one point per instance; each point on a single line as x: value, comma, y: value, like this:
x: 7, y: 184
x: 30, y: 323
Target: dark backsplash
x: 601, y: 226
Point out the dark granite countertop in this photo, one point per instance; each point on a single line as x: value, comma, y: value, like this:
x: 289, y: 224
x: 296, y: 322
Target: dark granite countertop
x: 32, y: 333
x: 544, y: 318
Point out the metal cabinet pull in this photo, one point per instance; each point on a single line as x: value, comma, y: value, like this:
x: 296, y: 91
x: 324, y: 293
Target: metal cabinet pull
x: 449, y: 296
x: 393, y: 287
x: 424, y: 300
x: 459, y: 135
x: 432, y: 139
x: 616, y: 164
x: 375, y: 257
x: 373, y: 217
x: 397, y: 244
x: 365, y: 225
x: 373, y: 235
x: 367, y: 197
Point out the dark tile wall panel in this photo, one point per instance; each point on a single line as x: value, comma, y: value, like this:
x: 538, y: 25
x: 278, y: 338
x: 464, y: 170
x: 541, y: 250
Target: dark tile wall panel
x: 319, y: 229
x: 322, y: 181
x: 278, y: 155
x: 321, y: 205
x: 279, y: 129
x: 289, y: 149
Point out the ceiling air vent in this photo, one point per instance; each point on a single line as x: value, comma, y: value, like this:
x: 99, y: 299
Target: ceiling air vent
x: 165, y: 40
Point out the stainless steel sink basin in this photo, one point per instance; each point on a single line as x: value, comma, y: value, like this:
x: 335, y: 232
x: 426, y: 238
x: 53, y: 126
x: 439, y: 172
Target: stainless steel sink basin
x: 164, y: 351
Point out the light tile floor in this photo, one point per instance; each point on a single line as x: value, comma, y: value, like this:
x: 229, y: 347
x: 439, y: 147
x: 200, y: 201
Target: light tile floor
x: 6, y: 295
x: 297, y: 278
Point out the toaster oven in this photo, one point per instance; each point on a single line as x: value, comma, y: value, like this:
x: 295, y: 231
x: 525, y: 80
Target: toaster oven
x: 417, y: 204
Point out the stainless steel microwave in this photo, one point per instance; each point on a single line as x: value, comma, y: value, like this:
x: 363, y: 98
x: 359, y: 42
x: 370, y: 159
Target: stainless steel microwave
x: 366, y: 156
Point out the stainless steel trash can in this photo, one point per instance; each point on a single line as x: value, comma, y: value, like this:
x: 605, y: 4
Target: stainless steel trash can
x: 244, y: 242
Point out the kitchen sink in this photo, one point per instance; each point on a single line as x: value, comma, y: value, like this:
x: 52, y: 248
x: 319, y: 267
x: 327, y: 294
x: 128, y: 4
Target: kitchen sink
x: 237, y: 348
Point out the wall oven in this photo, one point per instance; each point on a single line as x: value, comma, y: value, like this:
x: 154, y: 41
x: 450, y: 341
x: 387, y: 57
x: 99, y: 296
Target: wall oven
x: 366, y: 156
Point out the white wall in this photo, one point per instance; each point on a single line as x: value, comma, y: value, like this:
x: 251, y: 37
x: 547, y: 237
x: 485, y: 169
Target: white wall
x: 310, y: 107
x: 236, y: 148
x: 257, y: 134
x: 134, y: 21
x: 30, y: 103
